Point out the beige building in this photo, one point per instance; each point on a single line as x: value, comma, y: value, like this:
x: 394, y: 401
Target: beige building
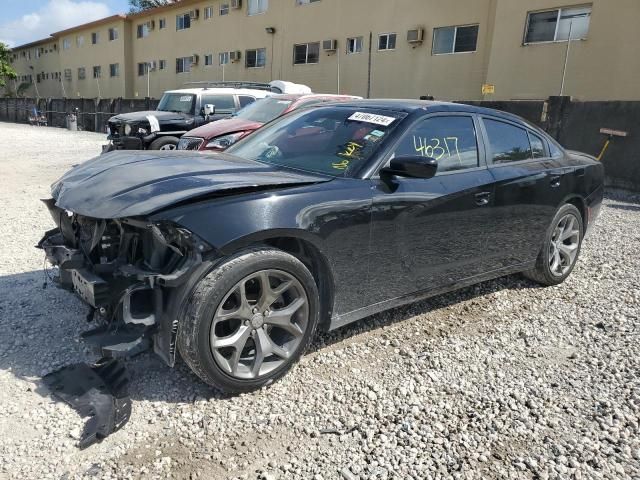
x: 377, y: 48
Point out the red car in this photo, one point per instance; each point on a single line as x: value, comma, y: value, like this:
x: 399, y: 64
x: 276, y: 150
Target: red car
x: 218, y: 136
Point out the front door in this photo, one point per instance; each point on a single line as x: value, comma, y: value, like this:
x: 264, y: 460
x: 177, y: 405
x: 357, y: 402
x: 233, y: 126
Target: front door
x: 430, y: 233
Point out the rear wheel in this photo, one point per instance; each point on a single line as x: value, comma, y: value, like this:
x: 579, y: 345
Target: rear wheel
x: 561, y: 248
x: 164, y: 143
x: 249, y: 320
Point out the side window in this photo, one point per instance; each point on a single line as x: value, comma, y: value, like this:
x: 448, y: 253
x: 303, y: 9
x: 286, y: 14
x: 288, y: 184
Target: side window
x: 537, y: 146
x: 246, y: 100
x: 450, y: 140
x: 223, y: 103
x: 508, y: 143
x: 555, y: 150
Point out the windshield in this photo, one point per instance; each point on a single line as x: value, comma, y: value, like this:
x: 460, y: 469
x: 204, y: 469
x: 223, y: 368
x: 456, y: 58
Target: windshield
x: 335, y: 141
x: 263, y: 110
x: 177, y: 102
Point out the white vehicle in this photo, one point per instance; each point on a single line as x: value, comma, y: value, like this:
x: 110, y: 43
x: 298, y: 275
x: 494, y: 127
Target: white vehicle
x: 185, y: 109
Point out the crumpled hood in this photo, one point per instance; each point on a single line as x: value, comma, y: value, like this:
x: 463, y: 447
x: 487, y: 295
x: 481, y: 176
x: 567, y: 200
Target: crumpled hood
x: 129, y: 183
x: 224, y: 127
x: 142, y: 116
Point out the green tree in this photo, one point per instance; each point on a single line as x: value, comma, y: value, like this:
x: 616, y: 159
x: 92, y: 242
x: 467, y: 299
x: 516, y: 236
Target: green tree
x: 140, y: 5
x: 7, y: 71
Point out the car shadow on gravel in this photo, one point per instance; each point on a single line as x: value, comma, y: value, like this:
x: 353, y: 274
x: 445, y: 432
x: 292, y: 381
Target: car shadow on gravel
x: 40, y: 332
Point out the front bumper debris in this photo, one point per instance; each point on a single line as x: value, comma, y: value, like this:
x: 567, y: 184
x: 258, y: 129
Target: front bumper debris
x: 96, y: 391
x: 134, y: 275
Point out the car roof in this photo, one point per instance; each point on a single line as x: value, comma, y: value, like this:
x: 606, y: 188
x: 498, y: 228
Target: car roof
x: 410, y: 106
x: 221, y: 90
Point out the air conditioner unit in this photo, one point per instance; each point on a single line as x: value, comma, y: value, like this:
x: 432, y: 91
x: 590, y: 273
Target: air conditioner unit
x: 194, y: 59
x: 151, y: 24
x: 236, y: 4
x: 329, y: 45
x: 415, y: 36
x: 234, y: 56
x: 194, y: 14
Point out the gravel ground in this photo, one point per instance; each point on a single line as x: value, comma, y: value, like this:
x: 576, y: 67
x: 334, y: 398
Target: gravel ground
x: 501, y: 380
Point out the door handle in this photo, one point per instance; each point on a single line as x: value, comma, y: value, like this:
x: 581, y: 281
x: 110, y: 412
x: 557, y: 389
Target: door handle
x: 555, y: 181
x: 483, y: 198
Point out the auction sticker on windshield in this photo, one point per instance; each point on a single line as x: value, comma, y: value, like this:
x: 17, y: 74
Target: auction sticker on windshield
x: 372, y: 118
x: 185, y: 98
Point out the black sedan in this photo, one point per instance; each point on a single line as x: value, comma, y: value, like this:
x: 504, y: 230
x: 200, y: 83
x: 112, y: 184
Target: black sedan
x: 321, y: 218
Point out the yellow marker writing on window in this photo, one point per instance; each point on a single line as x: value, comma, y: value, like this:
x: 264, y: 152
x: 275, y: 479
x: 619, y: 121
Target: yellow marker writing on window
x: 341, y: 165
x: 350, y: 149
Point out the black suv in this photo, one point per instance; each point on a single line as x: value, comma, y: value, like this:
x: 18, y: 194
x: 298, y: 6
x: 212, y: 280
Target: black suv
x: 178, y: 112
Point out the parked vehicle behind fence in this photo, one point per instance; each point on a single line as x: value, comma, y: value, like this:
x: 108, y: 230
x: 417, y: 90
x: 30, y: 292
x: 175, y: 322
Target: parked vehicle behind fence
x: 221, y: 135
x: 322, y: 217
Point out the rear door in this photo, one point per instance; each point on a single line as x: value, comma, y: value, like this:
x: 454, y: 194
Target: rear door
x: 428, y: 233
x: 527, y: 191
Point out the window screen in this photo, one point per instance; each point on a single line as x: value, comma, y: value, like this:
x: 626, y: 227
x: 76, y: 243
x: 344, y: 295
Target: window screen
x: 450, y: 140
x: 508, y: 143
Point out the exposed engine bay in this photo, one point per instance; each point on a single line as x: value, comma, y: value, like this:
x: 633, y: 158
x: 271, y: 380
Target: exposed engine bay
x: 131, y: 272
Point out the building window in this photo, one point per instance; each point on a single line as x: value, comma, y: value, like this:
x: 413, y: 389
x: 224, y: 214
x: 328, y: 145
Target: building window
x: 183, y: 64
x: 80, y: 40
x: 114, y: 70
x: 455, y: 39
x: 162, y: 64
x: 143, y: 30
x: 208, y: 12
x: 554, y: 25
x: 306, y: 53
x: 183, y: 21
x: 223, y: 58
x: 256, y: 58
x: 66, y: 44
x: 305, y: 2
x: 97, y: 71
x: 113, y: 34
x: 67, y: 74
x: 224, y: 9
x: 142, y: 69
x: 81, y: 73
x: 257, y: 7
x: 208, y: 59
x: 162, y: 23
x: 387, y: 41
x: 94, y: 38
x: 354, y: 45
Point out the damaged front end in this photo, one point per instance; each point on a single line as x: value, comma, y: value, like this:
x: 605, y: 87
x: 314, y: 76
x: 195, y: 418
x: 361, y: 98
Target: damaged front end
x: 133, y: 273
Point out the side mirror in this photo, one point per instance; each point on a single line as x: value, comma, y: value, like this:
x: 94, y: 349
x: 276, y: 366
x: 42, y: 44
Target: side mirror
x: 411, y: 166
x: 209, y: 109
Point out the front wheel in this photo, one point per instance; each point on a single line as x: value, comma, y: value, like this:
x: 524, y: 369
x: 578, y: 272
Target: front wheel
x: 249, y: 320
x: 561, y: 248
x: 164, y: 143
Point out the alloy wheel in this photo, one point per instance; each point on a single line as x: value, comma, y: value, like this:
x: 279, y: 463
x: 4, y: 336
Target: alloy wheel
x: 563, y: 248
x: 259, y: 324
x: 169, y: 146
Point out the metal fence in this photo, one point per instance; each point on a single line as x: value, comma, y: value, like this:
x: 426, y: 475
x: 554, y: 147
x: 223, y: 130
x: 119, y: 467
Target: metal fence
x: 92, y: 113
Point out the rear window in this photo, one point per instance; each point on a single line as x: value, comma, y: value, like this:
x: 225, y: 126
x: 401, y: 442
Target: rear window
x: 508, y: 143
x: 327, y: 140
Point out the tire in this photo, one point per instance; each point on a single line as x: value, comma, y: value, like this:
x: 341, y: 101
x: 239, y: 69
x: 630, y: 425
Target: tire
x: 164, y: 143
x: 216, y: 314
x: 546, y: 271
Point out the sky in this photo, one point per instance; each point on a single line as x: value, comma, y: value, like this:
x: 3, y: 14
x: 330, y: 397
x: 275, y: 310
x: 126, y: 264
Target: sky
x: 23, y: 21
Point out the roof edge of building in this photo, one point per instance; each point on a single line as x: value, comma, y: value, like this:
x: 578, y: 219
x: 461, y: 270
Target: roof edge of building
x: 100, y: 21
